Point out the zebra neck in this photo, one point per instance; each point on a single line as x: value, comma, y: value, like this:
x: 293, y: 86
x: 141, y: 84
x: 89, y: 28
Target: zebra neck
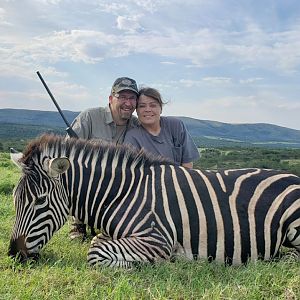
x: 100, y: 186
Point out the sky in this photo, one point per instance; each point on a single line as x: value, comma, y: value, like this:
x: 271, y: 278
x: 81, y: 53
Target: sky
x: 232, y: 61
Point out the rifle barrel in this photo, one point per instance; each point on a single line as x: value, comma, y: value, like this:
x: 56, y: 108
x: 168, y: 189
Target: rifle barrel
x: 53, y: 99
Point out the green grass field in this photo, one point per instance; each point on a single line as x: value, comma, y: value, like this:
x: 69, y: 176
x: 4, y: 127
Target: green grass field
x: 63, y: 273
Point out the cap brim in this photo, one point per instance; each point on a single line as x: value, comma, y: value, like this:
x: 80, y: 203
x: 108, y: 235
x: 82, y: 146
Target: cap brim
x: 126, y: 89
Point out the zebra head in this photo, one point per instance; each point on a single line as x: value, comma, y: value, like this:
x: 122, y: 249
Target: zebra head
x: 41, y: 203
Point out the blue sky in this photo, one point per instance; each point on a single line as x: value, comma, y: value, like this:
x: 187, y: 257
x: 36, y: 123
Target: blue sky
x: 233, y: 61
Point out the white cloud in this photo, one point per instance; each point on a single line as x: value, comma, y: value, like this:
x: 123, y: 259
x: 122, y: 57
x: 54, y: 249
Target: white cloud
x: 76, y: 45
x: 129, y: 24
x: 151, y: 5
x: 3, y: 20
x: 202, y: 48
x: 190, y: 83
x: 113, y: 7
x: 50, y: 71
x: 250, y: 80
x: 69, y: 96
x: 131, y: 7
x: 219, y: 51
x: 168, y: 63
x: 210, y: 48
x: 217, y: 80
x: 264, y: 108
x: 2, y: 13
x: 205, y: 80
x: 54, y: 2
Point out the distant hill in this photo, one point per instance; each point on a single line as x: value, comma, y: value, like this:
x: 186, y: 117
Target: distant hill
x: 256, y: 133
x: 36, y: 117
x: 22, y: 123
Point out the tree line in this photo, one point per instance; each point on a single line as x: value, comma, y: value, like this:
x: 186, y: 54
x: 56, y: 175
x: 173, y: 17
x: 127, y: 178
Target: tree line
x: 220, y: 157
x: 225, y: 158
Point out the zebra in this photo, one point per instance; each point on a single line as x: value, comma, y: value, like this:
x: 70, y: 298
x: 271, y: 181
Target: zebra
x: 147, y: 208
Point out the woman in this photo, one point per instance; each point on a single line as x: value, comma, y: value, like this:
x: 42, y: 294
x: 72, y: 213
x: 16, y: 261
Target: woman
x: 165, y: 136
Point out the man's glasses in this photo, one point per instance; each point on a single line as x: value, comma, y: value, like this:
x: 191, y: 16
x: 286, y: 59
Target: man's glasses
x: 123, y: 98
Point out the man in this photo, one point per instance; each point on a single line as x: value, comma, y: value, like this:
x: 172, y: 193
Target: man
x: 107, y: 123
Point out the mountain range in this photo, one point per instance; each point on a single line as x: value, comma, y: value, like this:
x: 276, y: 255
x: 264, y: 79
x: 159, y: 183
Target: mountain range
x: 22, y: 123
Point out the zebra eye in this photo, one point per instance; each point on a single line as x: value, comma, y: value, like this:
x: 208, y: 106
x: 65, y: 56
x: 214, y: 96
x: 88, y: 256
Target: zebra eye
x: 40, y: 200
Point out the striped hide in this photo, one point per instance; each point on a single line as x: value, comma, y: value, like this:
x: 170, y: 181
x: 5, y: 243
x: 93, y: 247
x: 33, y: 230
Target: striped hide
x: 149, y: 209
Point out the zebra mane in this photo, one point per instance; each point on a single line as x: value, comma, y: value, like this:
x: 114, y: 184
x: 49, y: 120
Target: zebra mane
x: 51, y: 145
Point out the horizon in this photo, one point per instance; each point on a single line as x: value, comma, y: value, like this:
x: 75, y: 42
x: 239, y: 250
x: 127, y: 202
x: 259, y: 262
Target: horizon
x: 179, y: 116
x: 233, y: 62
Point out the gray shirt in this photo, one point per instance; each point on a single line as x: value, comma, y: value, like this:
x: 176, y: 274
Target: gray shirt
x: 98, y: 123
x: 173, y: 142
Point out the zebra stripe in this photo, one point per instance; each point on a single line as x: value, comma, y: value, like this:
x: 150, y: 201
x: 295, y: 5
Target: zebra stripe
x: 165, y: 207
x: 149, y: 209
x: 270, y: 216
x: 202, y: 228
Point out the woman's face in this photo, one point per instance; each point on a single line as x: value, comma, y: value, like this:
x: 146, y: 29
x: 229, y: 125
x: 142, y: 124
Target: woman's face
x: 148, y: 110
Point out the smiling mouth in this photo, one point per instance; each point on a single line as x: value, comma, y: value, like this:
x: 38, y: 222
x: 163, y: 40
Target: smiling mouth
x: 126, y: 108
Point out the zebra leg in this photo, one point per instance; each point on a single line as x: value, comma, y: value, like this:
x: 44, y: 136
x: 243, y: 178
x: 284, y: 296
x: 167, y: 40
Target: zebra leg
x: 293, y: 238
x: 78, y: 230
x: 100, y: 238
x: 127, y: 252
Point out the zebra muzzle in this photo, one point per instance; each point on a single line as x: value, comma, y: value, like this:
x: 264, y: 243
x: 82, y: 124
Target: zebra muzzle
x: 18, y: 250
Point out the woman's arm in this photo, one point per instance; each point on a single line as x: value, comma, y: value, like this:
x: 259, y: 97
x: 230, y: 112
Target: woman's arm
x: 188, y: 165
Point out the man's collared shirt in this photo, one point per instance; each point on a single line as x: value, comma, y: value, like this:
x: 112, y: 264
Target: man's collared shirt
x: 98, y: 123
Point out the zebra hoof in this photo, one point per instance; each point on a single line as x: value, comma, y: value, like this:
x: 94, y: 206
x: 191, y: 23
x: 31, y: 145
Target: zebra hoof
x: 78, y: 232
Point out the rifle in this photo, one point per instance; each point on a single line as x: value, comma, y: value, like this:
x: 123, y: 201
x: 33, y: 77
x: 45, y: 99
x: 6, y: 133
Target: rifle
x: 70, y: 132
x: 69, y: 129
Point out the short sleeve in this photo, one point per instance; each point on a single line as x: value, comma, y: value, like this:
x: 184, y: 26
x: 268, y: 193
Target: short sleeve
x: 183, y: 142
x: 81, y: 125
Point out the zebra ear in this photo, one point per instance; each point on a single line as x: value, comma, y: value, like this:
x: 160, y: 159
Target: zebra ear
x: 58, y: 166
x: 15, y: 157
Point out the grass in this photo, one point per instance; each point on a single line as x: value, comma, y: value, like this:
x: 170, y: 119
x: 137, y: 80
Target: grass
x: 292, y: 161
x: 9, y: 174
x: 62, y: 272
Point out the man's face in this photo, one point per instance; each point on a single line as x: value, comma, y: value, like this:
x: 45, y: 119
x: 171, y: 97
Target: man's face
x: 122, y: 105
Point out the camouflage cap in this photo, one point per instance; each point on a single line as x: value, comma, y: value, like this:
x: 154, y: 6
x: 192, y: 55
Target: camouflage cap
x: 124, y: 83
